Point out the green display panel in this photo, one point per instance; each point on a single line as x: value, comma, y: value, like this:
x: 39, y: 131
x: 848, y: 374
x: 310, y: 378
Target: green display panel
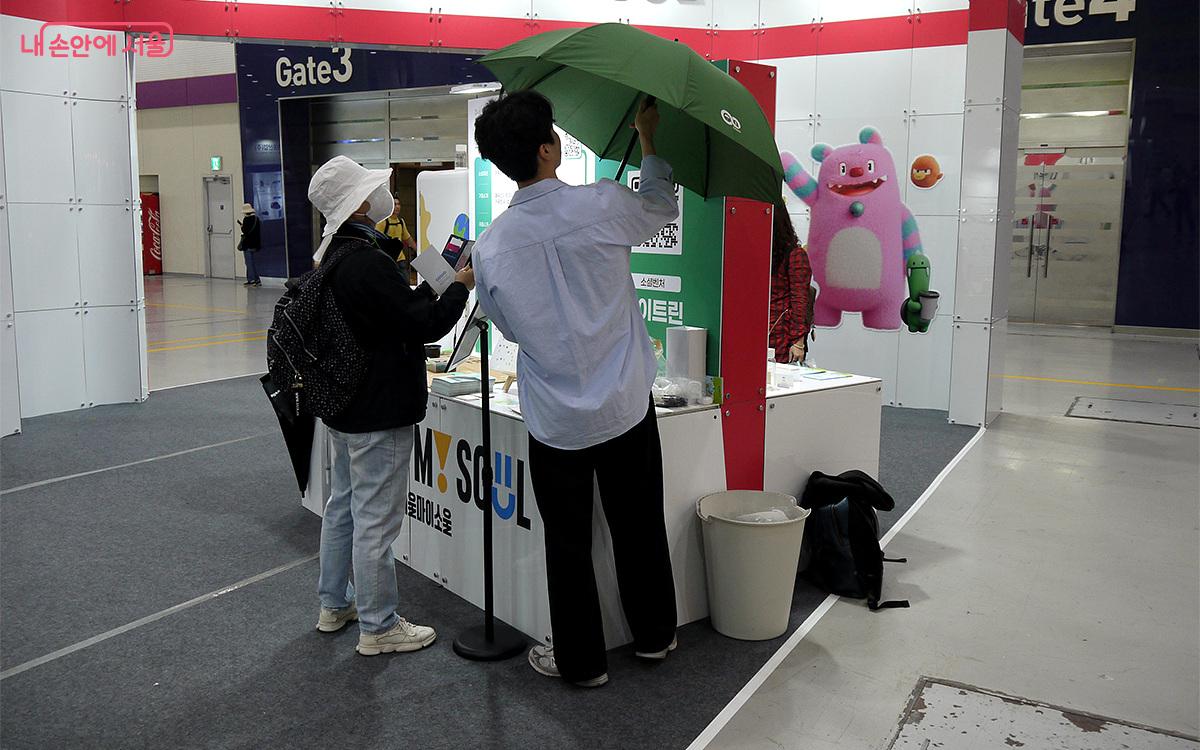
x: 678, y: 272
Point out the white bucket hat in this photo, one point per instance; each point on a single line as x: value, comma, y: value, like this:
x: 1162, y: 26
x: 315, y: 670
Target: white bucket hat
x: 339, y: 187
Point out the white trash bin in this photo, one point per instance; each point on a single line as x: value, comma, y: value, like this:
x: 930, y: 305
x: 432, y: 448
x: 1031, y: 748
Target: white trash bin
x: 751, y: 549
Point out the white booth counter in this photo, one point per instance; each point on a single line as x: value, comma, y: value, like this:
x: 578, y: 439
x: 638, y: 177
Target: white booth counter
x: 826, y: 424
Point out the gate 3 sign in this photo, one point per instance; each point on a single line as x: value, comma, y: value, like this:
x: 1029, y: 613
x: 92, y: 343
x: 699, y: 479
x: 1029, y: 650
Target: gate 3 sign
x: 508, y: 487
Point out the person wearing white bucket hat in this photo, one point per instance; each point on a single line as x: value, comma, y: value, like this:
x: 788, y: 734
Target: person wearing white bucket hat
x: 372, y: 438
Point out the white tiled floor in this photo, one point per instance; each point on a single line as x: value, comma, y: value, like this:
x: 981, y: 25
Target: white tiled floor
x: 1058, y: 561
x: 205, y: 329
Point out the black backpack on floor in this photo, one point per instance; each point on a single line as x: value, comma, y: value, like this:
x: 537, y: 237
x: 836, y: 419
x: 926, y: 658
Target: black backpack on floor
x: 312, y: 356
x: 841, y: 552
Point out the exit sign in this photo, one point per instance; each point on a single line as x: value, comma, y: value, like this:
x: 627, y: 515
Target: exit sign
x: 215, y: 163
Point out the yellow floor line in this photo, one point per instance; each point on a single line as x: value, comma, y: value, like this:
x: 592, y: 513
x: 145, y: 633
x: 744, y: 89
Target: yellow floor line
x: 197, y: 307
x: 207, y: 338
x: 210, y: 343
x: 1179, y: 389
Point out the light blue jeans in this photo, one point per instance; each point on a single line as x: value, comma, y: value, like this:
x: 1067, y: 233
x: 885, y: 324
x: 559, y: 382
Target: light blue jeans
x: 362, y: 518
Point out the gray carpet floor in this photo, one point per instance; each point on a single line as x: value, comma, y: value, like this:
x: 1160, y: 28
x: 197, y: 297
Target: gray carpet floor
x: 247, y: 669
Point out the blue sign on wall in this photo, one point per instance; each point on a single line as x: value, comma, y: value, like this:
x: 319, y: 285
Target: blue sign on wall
x: 274, y: 181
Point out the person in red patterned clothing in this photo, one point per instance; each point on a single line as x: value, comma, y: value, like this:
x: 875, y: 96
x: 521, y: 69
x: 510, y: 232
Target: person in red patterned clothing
x: 791, y: 280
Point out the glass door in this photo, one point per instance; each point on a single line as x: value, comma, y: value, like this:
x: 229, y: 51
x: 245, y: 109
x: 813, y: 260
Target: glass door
x: 1067, y: 236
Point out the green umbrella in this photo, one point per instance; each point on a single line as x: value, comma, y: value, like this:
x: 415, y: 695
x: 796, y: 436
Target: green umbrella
x: 712, y: 131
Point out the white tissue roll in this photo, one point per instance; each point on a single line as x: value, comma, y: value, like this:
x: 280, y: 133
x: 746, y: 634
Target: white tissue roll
x: 686, y: 352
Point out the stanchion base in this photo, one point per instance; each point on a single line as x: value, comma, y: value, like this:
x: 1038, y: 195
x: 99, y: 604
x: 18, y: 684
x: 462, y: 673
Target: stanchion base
x: 507, y: 643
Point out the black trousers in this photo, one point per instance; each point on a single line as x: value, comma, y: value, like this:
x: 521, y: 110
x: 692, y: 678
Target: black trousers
x: 629, y: 472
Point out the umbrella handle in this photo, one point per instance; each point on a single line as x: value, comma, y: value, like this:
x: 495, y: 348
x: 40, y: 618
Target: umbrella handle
x: 649, y: 101
x: 628, y: 153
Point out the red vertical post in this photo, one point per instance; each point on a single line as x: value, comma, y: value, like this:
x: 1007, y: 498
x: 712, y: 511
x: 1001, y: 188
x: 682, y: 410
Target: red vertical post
x: 745, y: 307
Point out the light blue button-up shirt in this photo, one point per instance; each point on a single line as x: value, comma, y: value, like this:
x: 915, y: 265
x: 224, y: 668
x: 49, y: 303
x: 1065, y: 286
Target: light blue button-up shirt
x: 552, y: 272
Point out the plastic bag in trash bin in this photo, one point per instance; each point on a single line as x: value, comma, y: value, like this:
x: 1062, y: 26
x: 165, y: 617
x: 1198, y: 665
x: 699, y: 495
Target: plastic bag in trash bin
x: 771, y: 515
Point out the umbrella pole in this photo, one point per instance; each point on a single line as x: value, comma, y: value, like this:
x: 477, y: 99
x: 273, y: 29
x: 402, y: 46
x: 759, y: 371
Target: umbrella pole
x: 628, y: 152
x: 491, y: 641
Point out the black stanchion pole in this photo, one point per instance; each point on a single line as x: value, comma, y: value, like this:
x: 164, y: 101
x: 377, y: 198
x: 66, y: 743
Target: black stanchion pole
x: 492, y: 641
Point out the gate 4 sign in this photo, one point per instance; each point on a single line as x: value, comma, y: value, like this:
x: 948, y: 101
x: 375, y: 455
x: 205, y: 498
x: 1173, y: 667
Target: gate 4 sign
x: 1071, y: 12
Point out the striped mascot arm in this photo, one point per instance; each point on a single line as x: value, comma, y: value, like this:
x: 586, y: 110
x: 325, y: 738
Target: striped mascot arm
x: 800, y: 182
x: 911, y: 235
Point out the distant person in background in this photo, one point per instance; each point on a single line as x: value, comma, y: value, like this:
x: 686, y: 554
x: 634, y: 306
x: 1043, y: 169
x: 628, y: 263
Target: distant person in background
x: 791, y: 291
x: 250, y: 243
x: 401, y: 244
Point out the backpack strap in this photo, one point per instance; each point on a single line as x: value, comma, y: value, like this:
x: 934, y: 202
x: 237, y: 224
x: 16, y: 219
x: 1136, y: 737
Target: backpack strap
x: 868, y: 557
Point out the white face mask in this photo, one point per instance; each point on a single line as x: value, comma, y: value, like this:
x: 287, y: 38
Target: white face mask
x: 381, y: 204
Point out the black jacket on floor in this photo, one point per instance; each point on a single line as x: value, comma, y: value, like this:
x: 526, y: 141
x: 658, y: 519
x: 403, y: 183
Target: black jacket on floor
x: 393, y: 322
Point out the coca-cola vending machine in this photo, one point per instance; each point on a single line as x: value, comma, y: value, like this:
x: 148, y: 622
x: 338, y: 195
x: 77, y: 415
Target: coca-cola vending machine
x: 151, y: 235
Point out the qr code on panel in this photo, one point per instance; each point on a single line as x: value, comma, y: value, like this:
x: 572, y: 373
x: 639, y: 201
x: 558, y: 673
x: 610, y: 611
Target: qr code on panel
x: 571, y: 148
x: 667, y: 237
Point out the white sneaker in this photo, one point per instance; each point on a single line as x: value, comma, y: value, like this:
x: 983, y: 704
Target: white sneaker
x: 541, y: 658
x: 333, y: 620
x: 404, y: 636
x: 658, y: 654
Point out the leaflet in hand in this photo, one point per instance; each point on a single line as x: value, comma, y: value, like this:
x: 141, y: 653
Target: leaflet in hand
x: 434, y: 269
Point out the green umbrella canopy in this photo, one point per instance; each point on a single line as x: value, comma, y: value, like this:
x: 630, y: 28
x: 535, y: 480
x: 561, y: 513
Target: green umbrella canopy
x: 712, y: 131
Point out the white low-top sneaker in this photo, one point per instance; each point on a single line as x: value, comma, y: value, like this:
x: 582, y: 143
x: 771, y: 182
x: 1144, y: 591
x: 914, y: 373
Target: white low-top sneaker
x: 541, y: 658
x: 333, y: 620
x: 404, y: 636
x: 658, y: 654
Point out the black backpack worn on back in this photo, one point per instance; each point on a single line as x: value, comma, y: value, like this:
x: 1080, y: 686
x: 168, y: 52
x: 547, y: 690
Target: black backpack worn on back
x: 841, y: 552
x: 312, y: 355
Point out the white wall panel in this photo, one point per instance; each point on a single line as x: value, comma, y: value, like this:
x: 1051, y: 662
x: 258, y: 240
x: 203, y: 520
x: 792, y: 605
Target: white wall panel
x: 1014, y: 71
x: 100, y: 132
x: 111, y: 355
x: 10, y: 390
x: 692, y: 14
x: 982, y: 126
x: 24, y: 71
x: 107, y: 260
x: 862, y: 351
x: 853, y: 10
x: 939, y: 80
x: 44, y: 256
x: 938, y: 6
x: 939, y: 237
x: 775, y: 13
x: 939, y: 136
x: 796, y: 87
x: 99, y: 76
x: 735, y: 14
x: 976, y: 267
x: 923, y: 370
x: 969, y: 373
x: 50, y: 355
x: 986, y: 52
x: 37, y: 148
x: 864, y: 84
x: 995, y: 397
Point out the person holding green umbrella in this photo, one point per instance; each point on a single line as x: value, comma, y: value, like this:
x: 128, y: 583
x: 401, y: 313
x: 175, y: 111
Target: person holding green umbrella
x: 552, y: 272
